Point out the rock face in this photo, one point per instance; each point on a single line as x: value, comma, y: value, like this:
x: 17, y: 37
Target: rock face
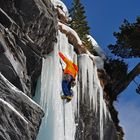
x: 32, y: 19
x: 28, y: 30
x: 20, y: 116
x: 89, y: 125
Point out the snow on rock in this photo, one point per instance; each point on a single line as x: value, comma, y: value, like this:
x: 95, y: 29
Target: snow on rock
x: 61, y: 15
x: 70, y: 32
x: 98, y: 61
x: 12, y: 125
x: 73, y: 38
x: 11, y: 20
x: 15, y: 111
x: 62, y: 11
x: 15, y: 89
x: 59, y: 3
x: 97, y: 47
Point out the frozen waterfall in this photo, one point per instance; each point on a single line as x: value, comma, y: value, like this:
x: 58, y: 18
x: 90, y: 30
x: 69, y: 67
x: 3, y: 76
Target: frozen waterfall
x: 59, y: 121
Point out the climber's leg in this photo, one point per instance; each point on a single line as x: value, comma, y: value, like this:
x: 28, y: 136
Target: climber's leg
x: 66, y: 85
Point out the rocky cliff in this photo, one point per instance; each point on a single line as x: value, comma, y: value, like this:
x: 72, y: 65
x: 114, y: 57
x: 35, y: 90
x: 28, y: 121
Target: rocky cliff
x: 29, y: 32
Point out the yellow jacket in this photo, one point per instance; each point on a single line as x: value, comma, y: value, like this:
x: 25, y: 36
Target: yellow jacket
x: 71, y: 68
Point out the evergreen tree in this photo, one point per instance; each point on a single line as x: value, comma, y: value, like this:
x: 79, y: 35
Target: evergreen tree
x: 128, y: 40
x: 79, y: 23
x: 127, y: 46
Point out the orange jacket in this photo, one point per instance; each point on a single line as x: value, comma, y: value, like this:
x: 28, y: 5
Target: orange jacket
x: 71, y: 68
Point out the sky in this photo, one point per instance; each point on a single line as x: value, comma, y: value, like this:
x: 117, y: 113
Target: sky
x: 104, y: 18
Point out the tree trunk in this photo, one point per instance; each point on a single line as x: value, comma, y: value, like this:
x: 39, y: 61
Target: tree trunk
x: 124, y: 83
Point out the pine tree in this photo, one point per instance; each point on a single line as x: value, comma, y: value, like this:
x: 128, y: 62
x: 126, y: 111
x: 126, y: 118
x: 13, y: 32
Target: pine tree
x: 128, y: 40
x: 79, y: 23
x: 127, y: 46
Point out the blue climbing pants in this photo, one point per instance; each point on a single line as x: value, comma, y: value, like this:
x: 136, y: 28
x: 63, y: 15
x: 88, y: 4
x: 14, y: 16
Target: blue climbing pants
x: 66, y: 85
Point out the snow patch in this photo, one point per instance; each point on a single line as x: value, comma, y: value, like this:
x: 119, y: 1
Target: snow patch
x: 13, y: 109
x: 61, y: 4
x: 97, y: 48
x: 12, y: 21
x: 68, y: 30
x: 11, y: 86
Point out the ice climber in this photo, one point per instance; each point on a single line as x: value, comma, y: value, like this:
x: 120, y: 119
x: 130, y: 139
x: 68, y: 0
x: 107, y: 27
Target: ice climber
x: 70, y: 72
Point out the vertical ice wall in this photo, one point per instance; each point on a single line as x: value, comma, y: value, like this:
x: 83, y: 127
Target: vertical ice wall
x: 58, y: 123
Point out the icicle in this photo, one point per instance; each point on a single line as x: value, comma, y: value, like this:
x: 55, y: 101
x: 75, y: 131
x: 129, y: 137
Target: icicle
x: 88, y: 73
x: 91, y: 86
